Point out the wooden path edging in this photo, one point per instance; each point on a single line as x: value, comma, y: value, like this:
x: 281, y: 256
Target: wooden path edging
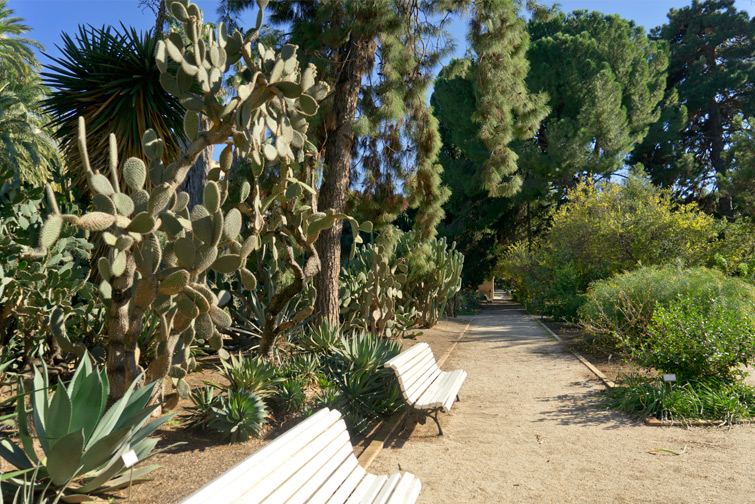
x: 386, y: 428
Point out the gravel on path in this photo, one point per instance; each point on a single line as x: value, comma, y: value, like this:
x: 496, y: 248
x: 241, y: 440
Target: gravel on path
x: 530, y: 429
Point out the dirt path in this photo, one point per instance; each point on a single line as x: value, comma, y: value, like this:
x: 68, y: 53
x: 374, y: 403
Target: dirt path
x: 530, y: 430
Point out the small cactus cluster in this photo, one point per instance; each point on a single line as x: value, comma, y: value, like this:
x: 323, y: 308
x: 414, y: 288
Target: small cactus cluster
x: 159, y: 251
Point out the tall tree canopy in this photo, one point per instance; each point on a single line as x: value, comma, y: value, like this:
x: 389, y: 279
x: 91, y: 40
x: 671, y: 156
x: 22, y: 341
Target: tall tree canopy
x: 712, y: 69
x: 483, y: 105
x: 599, y: 80
x: 604, y: 79
x: 378, y: 57
x: 24, y: 143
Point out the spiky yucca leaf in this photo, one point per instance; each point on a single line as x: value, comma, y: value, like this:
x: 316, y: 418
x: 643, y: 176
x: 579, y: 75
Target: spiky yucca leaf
x: 110, y: 78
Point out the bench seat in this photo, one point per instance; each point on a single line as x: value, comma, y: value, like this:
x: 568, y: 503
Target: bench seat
x: 426, y: 389
x: 313, y: 462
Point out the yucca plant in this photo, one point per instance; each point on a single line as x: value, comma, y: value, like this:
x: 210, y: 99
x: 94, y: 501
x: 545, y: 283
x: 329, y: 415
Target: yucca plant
x: 111, y: 79
x: 81, y: 441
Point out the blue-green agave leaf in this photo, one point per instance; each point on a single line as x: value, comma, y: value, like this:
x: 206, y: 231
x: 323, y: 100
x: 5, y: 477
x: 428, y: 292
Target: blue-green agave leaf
x: 65, y: 455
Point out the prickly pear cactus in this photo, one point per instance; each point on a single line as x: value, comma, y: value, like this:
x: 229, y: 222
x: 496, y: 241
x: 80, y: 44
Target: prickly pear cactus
x: 370, y: 293
x: 159, y: 252
x: 434, y: 276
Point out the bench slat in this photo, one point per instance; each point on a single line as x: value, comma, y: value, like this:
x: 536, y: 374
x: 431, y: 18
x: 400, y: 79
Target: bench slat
x: 367, y: 489
x: 454, y: 391
x: 403, y: 490
x: 445, y: 387
x: 386, y: 489
x: 348, y: 486
x: 316, y: 472
x: 337, y: 479
x: 407, y: 376
x: 423, y: 354
x: 418, y: 373
x: 263, y: 488
x: 227, y: 486
x: 415, y: 392
x: 406, y: 355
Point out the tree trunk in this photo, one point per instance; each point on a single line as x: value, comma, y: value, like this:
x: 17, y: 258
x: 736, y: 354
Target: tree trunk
x: 197, y: 176
x: 716, y: 132
x: 340, y: 139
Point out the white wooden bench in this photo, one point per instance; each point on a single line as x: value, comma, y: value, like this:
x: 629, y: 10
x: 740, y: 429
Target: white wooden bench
x: 312, y: 462
x: 426, y: 389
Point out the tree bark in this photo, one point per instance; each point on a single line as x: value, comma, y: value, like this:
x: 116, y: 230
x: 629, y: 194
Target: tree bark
x: 360, y: 51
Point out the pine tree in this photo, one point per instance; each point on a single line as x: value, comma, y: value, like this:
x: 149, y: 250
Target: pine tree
x: 605, y: 80
x: 712, y: 68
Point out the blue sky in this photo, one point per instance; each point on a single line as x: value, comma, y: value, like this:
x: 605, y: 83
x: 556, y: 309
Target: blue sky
x: 48, y: 18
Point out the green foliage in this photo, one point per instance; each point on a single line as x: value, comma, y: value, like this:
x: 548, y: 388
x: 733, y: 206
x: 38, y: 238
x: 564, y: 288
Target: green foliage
x: 604, y: 79
x: 81, y: 441
x: 506, y: 109
x: 620, y: 310
x: 714, y: 42
x: 601, y: 231
x: 698, y: 339
x: 250, y: 375
x: 34, y: 290
x: 25, y: 143
x: 356, y: 383
x: 710, y: 399
x: 238, y: 415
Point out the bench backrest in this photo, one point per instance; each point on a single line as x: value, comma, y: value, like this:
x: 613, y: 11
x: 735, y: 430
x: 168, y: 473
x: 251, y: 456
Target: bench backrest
x: 307, y: 463
x: 416, y: 369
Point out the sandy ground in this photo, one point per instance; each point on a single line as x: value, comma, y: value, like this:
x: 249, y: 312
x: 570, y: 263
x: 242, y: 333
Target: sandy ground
x: 530, y: 429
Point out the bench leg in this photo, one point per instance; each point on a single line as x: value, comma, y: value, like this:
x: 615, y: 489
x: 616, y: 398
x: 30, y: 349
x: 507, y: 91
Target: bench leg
x: 435, y: 417
x: 457, y: 398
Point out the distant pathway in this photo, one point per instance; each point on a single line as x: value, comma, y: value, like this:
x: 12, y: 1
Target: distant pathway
x: 528, y: 430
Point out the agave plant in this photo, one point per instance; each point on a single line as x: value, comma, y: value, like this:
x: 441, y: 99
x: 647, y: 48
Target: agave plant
x: 239, y: 415
x: 250, y: 374
x: 83, y: 444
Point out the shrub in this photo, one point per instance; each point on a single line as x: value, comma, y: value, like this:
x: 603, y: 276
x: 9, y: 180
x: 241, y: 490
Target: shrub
x: 603, y: 230
x: 697, y: 338
x: 619, y: 310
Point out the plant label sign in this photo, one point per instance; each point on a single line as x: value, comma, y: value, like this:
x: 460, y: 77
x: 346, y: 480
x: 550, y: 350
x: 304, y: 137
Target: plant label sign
x: 670, y: 377
x: 129, y: 458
